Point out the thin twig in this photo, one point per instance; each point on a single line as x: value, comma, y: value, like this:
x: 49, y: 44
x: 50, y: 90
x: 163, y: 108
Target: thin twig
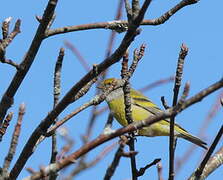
x: 124, y: 70
x: 76, y: 52
x: 213, y: 163
x: 67, y: 117
x: 14, y: 140
x: 211, y: 114
x: 5, y: 125
x: 112, y: 167
x: 200, y: 169
x: 57, y: 76
x: 132, y: 158
x: 113, y: 33
x: 126, y: 74
x: 159, y: 171
x: 178, y: 78
x: 95, y: 161
x: 130, y: 128
x: 121, y: 26
x: 11, y: 62
x: 56, y: 95
x: 143, y: 170
x: 157, y: 83
x: 138, y: 54
x: 164, y: 103
x: 5, y: 27
x: 7, y: 39
x: 12, y: 35
x: 128, y: 112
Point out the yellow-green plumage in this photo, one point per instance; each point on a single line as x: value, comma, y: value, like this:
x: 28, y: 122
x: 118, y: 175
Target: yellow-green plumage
x: 142, y: 108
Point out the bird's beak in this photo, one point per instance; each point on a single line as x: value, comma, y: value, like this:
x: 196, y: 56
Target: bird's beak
x: 99, y: 86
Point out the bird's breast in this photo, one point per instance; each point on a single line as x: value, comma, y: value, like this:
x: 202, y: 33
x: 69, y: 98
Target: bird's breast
x: 117, y: 107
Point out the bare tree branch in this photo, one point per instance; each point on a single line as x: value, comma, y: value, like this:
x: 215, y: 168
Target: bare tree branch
x: 164, y: 102
x: 96, y: 160
x: 112, y: 167
x: 143, y: 170
x: 209, y: 117
x: 11, y: 35
x: 10, y: 62
x: 159, y: 171
x: 5, y: 27
x: 213, y: 163
x: 14, y: 141
x: 178, y: 78
x: 5, y: 125
x: 156, y: 83
x: 7, y: 99
x: 125, y: 74
x: 198, y: 174
x: 7, y: 39
x: 56, y: 95
x: 121, y: 26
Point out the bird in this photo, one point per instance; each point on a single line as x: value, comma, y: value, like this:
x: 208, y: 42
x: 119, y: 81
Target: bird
x: 142, y: 108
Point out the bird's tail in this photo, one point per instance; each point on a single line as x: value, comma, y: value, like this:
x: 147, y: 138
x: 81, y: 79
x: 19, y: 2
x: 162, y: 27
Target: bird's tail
x: 193, y: 139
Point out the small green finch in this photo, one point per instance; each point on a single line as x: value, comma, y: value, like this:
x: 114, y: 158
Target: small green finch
x: 142, y: 108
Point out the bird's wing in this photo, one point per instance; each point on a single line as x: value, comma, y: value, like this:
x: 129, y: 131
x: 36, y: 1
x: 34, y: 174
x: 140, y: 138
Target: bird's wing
x: 142, y: 101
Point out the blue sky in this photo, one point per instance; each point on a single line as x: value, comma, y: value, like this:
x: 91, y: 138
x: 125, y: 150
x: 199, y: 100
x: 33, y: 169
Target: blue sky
x: 198, y: 26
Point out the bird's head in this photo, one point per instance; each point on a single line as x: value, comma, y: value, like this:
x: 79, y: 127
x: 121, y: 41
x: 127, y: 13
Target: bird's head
x: 108, y: 83
x: 112, y: 84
